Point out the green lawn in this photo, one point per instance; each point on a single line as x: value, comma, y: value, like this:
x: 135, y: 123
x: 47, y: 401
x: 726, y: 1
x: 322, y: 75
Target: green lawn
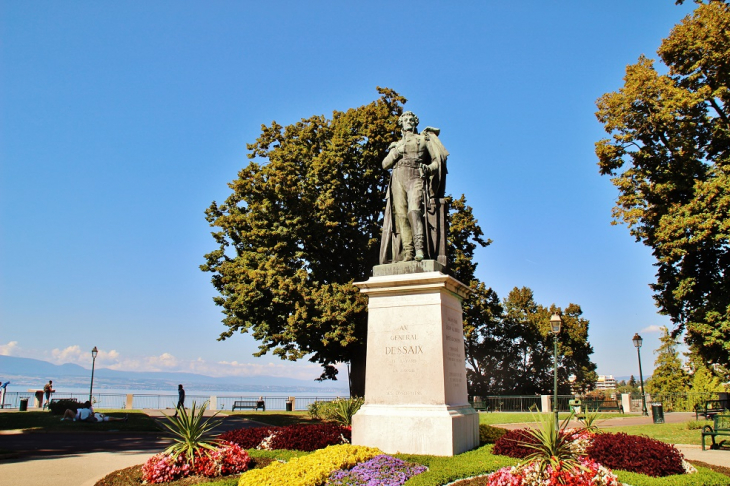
x: 527, y: 417
x: 679, y: 433
x: 45, y: 420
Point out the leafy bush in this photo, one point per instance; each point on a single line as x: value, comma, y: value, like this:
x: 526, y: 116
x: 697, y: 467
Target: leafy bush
x: 309, y: 470
x: 292, y: 437
x: 489, y: 434
x: 247, y: 438
x: 382, y: 470
x: 636, y: 454
x: 698, y: 424
x: 512, y: 444
x: 58, y: 407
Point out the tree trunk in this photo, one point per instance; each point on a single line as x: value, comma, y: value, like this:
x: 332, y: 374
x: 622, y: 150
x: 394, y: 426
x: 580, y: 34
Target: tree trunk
x: 357, y: 372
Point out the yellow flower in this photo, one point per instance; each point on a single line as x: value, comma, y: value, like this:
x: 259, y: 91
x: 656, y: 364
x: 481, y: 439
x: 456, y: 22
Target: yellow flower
x: 310, y: 470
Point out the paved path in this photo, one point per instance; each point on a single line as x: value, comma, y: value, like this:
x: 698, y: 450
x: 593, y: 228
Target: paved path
x: 81, y: 459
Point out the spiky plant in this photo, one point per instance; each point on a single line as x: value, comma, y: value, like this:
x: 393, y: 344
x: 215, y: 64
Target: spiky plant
x: 552, y: 445
x: 343, y: 409
x: 191, y: 432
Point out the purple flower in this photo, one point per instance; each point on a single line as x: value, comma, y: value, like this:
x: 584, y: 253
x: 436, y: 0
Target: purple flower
x: 381, y: 470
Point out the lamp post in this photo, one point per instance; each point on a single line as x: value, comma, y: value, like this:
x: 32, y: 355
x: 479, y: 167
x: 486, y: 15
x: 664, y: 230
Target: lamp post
x: 637, y: 343
x: 94, y: 352
x: 555, y: 322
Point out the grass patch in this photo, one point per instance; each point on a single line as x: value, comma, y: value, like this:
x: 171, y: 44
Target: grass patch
x: 704, y: 477
x: 528, y: 417
x: 46, y: 421
x: 278, y: 418
x: 443, y: 470
x: 679, y: 433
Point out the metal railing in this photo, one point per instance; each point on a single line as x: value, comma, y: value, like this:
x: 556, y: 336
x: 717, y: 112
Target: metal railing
x: 168, y: 401
x: 513, y: 403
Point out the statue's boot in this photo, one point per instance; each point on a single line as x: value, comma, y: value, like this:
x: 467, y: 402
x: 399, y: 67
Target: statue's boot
x: 416, y: 220
x: 406, y: 237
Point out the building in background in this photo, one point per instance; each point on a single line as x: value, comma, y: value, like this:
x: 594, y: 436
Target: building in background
x: 606, y: 382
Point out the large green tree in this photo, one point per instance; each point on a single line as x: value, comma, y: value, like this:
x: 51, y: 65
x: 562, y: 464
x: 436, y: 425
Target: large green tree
x: 302, y: 224
x: 669, y: 157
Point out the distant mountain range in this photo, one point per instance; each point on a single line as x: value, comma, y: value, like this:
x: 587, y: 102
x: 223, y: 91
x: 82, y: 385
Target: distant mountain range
x: 33, y: 373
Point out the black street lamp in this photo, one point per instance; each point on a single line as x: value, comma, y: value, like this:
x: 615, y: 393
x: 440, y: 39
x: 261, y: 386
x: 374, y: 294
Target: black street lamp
x: 637, y: 342
x: 94, y: 352
x: 555, y: 323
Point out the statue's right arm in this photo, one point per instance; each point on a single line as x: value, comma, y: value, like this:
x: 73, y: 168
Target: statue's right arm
x: 392, y: 157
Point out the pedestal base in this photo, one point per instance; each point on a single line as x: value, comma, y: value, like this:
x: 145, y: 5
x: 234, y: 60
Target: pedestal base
x: 417, y: 429
x: 415, y: 381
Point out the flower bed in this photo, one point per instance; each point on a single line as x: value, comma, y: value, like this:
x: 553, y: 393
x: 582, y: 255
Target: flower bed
x: 382, y: 470
x: 310, y: 470
x: 292, y: 437
x: 590, y: 473
x: 224, y: 460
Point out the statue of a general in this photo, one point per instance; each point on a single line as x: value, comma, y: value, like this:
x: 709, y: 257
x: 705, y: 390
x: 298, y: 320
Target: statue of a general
x: 414, y: 227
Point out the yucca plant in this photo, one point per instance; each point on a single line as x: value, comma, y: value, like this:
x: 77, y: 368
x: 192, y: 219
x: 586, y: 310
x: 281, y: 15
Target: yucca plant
x: 552, y: 445
x: 344, y: 408
x: 590, y: 421
x: 191, y: 433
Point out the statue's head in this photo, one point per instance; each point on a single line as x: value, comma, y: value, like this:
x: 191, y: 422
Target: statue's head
x: 408, y: 122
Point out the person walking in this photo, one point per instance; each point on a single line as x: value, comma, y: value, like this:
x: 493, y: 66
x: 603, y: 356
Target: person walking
x: 180, y: 400
x: 47, y: 390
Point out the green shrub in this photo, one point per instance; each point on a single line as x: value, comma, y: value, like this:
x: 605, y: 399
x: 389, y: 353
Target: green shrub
x: 58, y: 407
x: 698, y: 424
x: 489, y: 434
x: 703, y: 477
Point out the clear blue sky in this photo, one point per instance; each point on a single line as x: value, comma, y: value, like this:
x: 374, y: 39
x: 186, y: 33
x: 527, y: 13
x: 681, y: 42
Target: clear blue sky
x: 120, y: 122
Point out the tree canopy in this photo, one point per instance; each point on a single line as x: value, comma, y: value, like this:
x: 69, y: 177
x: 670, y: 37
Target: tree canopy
x: 669, y: 156
x: 302, y: 224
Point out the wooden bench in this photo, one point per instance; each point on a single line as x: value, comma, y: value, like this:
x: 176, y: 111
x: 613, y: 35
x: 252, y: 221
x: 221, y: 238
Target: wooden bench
x: 480, y: 406
x: 710, y: 409
x: 249, y: 404
x: 602, y: 406
x: 721, y: 427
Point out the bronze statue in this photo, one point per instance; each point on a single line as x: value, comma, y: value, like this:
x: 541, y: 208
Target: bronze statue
x: 414, y: 227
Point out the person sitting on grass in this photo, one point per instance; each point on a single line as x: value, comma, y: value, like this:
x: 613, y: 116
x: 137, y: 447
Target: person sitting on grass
x: 83, y: 413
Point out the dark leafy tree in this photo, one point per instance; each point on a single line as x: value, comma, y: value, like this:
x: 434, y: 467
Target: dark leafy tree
x: 511, y: 350
x: 669, y: 156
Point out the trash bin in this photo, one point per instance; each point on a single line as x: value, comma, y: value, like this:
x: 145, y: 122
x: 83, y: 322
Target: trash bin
x: 575, y: 406
x: 23, y: 405
x: 289, y: 406
x: 657, y: 413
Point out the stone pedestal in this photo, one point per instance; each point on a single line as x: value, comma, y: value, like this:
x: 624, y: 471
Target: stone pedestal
x: 415, y: 383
